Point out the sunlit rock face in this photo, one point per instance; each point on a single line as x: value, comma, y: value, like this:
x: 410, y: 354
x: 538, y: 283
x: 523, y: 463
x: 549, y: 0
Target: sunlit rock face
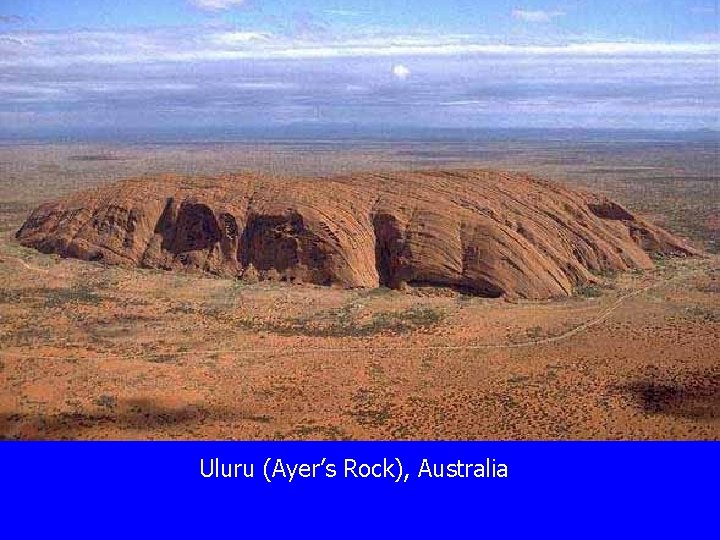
x: 481, y: 232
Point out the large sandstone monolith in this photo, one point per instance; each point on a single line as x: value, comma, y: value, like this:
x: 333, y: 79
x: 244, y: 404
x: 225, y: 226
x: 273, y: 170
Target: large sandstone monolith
x: 487, y: 233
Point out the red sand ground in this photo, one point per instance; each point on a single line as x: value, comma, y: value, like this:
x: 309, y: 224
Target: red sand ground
x: 103, y: 352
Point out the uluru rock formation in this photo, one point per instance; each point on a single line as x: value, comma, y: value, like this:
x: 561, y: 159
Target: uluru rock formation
x: 482, y: 232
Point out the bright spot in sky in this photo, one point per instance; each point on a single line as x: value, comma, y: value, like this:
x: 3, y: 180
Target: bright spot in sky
x: 400, y: 71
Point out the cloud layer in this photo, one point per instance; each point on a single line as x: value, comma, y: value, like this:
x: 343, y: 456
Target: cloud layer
x: 188, y: 45
x: 218, y: 77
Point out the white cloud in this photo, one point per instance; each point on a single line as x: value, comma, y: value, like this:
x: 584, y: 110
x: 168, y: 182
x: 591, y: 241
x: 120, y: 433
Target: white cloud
x: 536, y: 16
x: 266, y: 85
x: 400, y: 72
x: 216, y: 5
x: 343, y: 12
x: 466, y: 103
x: 704, y: 10
x: 233, y: 38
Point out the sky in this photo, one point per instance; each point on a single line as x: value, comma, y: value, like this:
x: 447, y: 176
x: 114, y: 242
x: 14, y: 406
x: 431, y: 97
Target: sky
x: 184, y: 65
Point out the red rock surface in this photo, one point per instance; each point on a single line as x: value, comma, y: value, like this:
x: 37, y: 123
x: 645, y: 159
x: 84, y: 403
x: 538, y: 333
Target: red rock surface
x: 487, y: 233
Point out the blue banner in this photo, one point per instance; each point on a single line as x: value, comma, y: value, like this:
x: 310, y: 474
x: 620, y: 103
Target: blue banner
x: 347, y: 489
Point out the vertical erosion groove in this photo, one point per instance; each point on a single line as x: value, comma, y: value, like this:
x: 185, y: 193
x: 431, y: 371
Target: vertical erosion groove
x: 388, y: 240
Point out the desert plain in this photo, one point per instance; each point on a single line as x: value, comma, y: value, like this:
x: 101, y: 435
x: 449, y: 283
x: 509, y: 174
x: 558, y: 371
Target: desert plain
x: 95, y: 351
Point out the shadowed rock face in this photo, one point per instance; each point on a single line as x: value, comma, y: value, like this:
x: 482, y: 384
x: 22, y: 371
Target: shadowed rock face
x: 487, y: 233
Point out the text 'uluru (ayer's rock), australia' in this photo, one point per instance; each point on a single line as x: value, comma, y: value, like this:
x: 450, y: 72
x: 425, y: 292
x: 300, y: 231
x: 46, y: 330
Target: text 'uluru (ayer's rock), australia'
x: 486, y: 233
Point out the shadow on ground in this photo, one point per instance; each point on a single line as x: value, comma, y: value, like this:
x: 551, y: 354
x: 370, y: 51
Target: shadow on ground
x: 693, y: 395
x: 135, y: 416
